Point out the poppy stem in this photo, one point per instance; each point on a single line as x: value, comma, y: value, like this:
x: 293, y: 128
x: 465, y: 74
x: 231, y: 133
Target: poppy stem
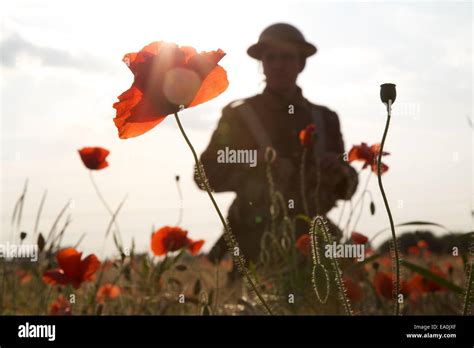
x: 353, y: 208
x: 318, y: 184
x: 387, y: 207
x: 181, y: 204
x: 104, y: 202
x: 231, y: 239
x: 360, y: 210
x: 303, y: 183
x: 469, y: 285
x: 319, y: 224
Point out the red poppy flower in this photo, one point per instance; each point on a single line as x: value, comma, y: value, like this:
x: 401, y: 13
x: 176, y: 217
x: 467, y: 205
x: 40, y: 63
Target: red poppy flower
x: 25, y: 276
x: 419, y: 284
x: 72, y: 270
x: 166, y: 78
x: 383, y: 284
x: 359, y: 238
x: 385, y: 261
x: 449, y: 266
x: 94, y: 157
x: 422, y: 244
x: 308, y: 135
x: 303, y: 244
x: 414, y: 250
x: 107, y: 291
x: 168, y: 239
x: 60, y: 306
x: 354, y: 291
x: 368, y: 155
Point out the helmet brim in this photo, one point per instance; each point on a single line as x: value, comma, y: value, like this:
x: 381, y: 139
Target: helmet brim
x: 305, y: 48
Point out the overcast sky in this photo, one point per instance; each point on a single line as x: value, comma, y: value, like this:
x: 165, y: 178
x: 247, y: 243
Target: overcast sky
x: 61, y: 71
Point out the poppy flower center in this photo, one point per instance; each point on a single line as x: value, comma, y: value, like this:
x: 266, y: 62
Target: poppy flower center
x: 181, y: 85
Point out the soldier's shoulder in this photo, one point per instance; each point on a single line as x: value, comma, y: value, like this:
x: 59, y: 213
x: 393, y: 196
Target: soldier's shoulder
x: 324, y: 109
x: 235, y: 104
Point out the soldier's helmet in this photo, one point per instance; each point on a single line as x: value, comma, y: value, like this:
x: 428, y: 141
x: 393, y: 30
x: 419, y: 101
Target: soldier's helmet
x: 281, y: 33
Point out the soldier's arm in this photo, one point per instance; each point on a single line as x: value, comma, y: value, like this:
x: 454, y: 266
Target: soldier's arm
x: 223, y: 176
x: 346, y: 188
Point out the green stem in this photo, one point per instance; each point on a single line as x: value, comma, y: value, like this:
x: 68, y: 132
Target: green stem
x: 104, y: 202
x: 302, y: 179
x: 341, y: 214
x: 387, y: 207
x: 468, y: 295
x: 353, y: 208
x: 318, y: 184
x: 319, y: 224
x: 227, y: 230
x: 181, y: 207
x: 361, y: 209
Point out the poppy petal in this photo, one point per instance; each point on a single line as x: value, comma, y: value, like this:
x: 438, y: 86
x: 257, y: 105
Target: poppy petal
x: 303, y: 244
x: 55, y: 276
x: 196, y: 246
x: 188, y: 51
x: 359, y: 238
x: 157, y: 245
x: 354, y: 154
x: 213, y: 85
x: 135, y: 115
x: 89, y: 266
x: 134, y: 59
x: 383, y: 283
x: 354, y: 291
x: 204, y: 62
x: 69, y: 261
x: 94, y: 157
x: 383, y: 168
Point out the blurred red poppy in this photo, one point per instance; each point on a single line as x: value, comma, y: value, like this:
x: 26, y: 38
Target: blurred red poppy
x: 449, y: 266
x: 414, y: 250
x: 385, y: 261
x: 168, y: 239
x: 368, y: 155
x: 303, y: 244
x: 420, y: 284
x: 107, y: 292
x: 72, y: 270
x: 60, y: 306
x: 359, y: 238
x: 422, y: 244
x: 383, y: 284
x: 308, y: 135
x: 25, y: 276
x: 354, y: 291
x: 166, y: 79
x: 94, y: 157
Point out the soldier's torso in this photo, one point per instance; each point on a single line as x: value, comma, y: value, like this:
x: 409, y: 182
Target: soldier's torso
x: 282, y: 121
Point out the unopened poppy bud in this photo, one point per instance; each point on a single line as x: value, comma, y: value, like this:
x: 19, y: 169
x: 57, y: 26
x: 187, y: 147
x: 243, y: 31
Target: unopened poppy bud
x: 270, y: 154
x: 388, y: 92
x: 375, y: 266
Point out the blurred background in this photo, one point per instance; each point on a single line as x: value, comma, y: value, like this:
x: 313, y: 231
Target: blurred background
x: 62, y: 69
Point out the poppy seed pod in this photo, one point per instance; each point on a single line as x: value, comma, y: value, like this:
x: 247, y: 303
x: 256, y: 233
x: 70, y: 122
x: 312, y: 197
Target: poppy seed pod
x: 388, y: 92
x: 270, y: 154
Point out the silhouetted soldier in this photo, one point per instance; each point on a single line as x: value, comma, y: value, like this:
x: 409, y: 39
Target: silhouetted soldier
x: 275, y: 118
